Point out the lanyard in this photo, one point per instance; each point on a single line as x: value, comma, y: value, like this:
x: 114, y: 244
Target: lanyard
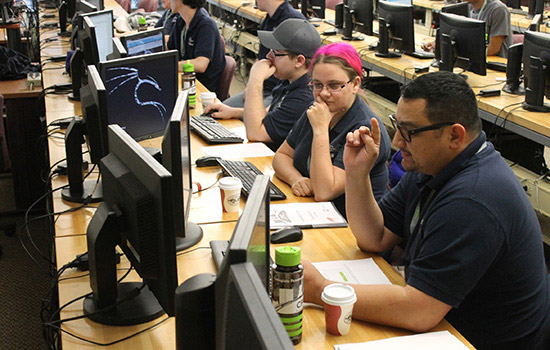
x: 182, y: 41
x: 481, y: 9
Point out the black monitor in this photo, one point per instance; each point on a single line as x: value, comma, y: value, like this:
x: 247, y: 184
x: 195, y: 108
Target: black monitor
x: 119, y: 51
x: 141, y: 92
x: 83, y: 6
x: 176, y: 158
x: 363, y: 13
x: 513, y: 70
x: 535, y: 23
x: 313, y: 7
x: 515, y: 4
x: 99, y: 4
x: 396, y: 28
x: 137, y: 215
x: 462, y: 43
x: 249, y: 243
x: 460, y: 8
x: 94, y: 113
x: 103, y: 36
x: 348, y: 25
x: 88, y: 42
x: 535, y: 7
x: 145, y: 42
x: 248, y: 307
x: 536, y: 71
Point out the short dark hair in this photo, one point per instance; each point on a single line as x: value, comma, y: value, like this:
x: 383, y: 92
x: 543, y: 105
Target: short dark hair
x: 448, y: 98
x: 194, y: 4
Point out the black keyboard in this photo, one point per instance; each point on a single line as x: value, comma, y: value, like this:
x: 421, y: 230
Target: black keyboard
x: 212, y: 131
x: 421, y: 54
x: 218, y: 251
x: 518, y: 11
x: 498, y: 66
x: 247, y: 172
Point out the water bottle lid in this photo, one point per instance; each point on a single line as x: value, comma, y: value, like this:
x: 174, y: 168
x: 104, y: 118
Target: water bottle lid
x: 188, y: 67
x: 288, y: 256
x: 142, y: 21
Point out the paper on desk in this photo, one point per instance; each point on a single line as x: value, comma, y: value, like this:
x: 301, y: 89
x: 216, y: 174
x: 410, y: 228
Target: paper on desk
x: 306, y: 215
x: 363, y: 271
x: 424, y: 341
x: 241, y: 150
x: 240, y: 131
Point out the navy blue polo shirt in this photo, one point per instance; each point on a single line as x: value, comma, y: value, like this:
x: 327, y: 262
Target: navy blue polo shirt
x: 201, y: 39
x: 290, y: 100
x: 478, y: 247
x: 283, y: 12
x: 167, y: 20
x: 301, y: 138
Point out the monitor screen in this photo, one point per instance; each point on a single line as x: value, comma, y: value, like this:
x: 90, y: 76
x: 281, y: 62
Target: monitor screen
x: 138, y: 216
x: 103, y: 22
x: 93, y: 104
x: 83, y: 6
x: 145, y: 42
x: 176, y: 158
x: 249, y: 243
x: 249, y: 307
x: 141, y: 92
x: 400, y: 24
x: 462, y: 43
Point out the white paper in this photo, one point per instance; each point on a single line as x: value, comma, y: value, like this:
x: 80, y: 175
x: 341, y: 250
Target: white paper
x: 425, y: 341
x: 240, y: 131
x: 305, y: 215
x: 362, y: 271
x: 241, y: 150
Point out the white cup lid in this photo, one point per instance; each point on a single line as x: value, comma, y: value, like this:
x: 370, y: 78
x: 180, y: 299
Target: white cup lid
x: 230, y: 183
x: 338, y: 294
x: 208, y: 95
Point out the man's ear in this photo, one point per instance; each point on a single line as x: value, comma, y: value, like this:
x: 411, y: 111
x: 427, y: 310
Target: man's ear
x: 300, y: 61
x: 457, y: 135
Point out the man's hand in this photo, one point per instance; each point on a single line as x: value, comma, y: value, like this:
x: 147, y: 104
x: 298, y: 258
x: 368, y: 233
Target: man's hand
x: 302, y: 187
x: 314, y: 283
x: 428, y: 46
x: 261, y: 70
x: 319, y: 116
x: 362, y: 148
x: 222, y: 111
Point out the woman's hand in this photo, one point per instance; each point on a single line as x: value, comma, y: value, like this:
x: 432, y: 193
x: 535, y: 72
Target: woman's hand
x: 319, y: 116
x: 302, y: 187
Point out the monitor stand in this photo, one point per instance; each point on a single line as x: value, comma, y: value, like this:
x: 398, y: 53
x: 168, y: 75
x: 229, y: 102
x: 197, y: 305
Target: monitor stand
x: 193, y: 235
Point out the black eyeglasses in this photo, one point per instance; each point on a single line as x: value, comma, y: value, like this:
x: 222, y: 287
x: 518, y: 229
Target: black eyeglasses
x: 332, y: 87
x: 278, y: 54
x: 407, y: 134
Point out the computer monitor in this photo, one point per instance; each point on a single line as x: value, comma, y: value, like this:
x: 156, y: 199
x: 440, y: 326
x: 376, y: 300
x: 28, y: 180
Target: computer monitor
x: 99, y: 4
x: 145, y: 42
x: 363, y: 14
x: 88, y: 42
x: 515, y: 4
x: 312, y: 7
x: 137, y: 215
x: 141, y: 92
x: 249, y: 307
x: 84, y: 6
x: 535, y: 7
x: 396, y: 29
x: 536, y: 71
x: 103, y: 23
x: 462, y: 43
x: 176, y: 158
x: 460, y: 8
x: 513, y: 70
x: 119, y: 51
x: 347, y: 33
x: 249, y: 243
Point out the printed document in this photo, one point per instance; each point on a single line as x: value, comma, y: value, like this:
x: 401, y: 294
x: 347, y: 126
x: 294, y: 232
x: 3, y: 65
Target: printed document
x: 424, y: 341
x: 239, y: 150
x: 305, y: 215
x: 362, y: 271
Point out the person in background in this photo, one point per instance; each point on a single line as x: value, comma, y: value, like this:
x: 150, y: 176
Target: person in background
x: 197, y: 39
x: 473, y: 245
x: 498, y: 28
x: 311, y: 158
x: 278, y: 11
x: 168, y: 19
x: 291, y: 46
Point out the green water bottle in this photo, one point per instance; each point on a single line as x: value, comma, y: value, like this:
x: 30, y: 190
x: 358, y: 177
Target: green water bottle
x: 288, y: 290
x: 188, y: 82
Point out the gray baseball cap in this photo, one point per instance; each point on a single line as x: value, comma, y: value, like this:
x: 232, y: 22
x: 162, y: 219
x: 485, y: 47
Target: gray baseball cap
x: 295, y: 35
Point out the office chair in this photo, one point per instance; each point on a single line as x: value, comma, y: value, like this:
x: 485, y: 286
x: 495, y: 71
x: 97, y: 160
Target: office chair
x: 227, y: 76
x: 330, y: 4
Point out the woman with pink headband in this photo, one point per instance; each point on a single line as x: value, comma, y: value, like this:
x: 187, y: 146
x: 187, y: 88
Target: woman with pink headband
x: 311, y: 158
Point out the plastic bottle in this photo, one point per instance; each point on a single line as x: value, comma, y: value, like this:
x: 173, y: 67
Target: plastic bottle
x: 288, y: 296
x: 188, y: 82
x: 142, y: 24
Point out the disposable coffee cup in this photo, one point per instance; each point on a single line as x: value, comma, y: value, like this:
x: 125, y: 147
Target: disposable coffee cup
x: 338, y: 300
x: 230, y: 188
x: 207, y: 98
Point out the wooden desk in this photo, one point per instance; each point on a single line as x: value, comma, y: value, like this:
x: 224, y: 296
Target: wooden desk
x: 317, y: 245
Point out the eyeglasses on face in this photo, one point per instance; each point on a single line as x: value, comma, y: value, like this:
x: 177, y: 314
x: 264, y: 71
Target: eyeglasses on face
x: 331, y: 87
x: 276, y: 54
x: 407, y: 134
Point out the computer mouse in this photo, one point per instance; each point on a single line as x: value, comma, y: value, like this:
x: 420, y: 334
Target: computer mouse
x: 210, y: 112
x: 287, y: 235
x: 207, y: 161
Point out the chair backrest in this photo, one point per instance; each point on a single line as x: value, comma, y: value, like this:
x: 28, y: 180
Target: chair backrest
x: 148, y: 5
x: 518, y: 38
x: 330, y: 4
x: 227, y: 76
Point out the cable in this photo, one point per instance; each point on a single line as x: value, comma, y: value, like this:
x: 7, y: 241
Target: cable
x: 192, y: 250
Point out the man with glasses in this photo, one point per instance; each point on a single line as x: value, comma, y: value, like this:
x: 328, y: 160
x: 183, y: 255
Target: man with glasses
x: 291, y: 46
x: 473, y: 251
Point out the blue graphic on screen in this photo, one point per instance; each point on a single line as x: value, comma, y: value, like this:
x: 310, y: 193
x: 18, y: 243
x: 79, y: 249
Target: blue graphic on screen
x: 145, y: 45
x: 141, y: 95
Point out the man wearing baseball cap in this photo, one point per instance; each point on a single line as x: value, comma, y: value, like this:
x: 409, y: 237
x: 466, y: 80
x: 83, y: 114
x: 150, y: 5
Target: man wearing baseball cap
x: 292, y: 44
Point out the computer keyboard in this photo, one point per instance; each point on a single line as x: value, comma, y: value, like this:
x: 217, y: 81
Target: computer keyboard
x: 247, y: 172
x: 212, y: 131
x: 421, y: 54
x: 498, y: 66
x: 218, y: 251
x: 518, y: 11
